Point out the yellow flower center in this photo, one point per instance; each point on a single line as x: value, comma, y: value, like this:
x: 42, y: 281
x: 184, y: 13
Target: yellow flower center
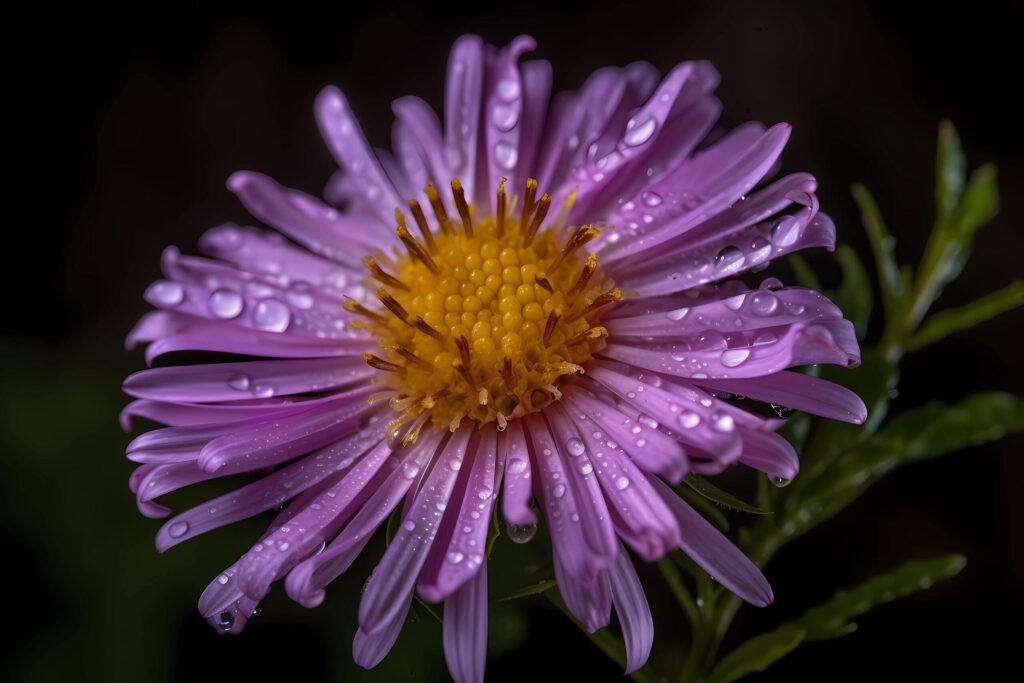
x: 484, y: 319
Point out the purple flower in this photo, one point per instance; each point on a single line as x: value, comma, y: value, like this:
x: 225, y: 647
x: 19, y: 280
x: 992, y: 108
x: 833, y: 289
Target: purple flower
x: 562, y: 326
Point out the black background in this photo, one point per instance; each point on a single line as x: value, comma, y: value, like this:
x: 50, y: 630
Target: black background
x: 127, y: 123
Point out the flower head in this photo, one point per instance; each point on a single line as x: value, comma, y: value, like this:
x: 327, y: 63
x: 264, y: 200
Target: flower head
x: 542, y: 302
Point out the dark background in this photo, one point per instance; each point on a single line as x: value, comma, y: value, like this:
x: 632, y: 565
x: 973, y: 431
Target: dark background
x: 125, y: 127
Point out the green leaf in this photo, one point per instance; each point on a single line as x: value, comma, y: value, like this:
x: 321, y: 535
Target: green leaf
x: 945, y: 323
x: 720, y: 497
x: 393, y: 521
x: 705, y: 507
x: 495, y: 531
x: 832, y: 619
x: 854, y: 296
x: 927, y: 432
x: 980, y: 202
x: 949, y: 173
x: 526, y: 591
x: 757, y: 654
x: 882, y: 244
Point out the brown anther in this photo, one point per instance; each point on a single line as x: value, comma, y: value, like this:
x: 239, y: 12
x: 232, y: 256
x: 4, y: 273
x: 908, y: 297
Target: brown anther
x: 587, y: 335
x: 544, y: 282
x: 507, y: 377
x: 438, y: 207
x: 608, y: 297
x: 531, y: 192
x: 416, y: 250
x: 393, y: 305
x: 414, y: 429
x: 583, y: 234
x: 549, y: 326
x: 353, y: 306
x: 410, y: 356
x: 437, y: 396
x: 381, y: 364
x: 464, y: 371
x: 421, y: 223
x: 460, y: 203
x: 585, y: 274
x: 424, y: 327
x: 538, y: 217
x: 499, y: 216
x: 463, y: 345
x: 381, y: 276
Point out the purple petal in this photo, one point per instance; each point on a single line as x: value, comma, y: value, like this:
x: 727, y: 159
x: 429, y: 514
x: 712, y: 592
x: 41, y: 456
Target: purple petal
x: 462, y: 103
x: 251, y: 379
x: 799, y: 392
x: 369, y: 650
x: 394, y: 577
x: 518, y: 484
x: 769, y: 453
x: 458, y: 551
x: 465, y: 630
x: 345, y: 140
x: 502, y: 118
x: 536, y: 77
x: 632, y: 609
x: 590, y: 603
x: 715, y: 553
x: 419, y: 148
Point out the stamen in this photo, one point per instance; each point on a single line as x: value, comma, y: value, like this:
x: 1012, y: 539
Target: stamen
x: 438, y: 207
x: 392, y: 305
x: 464, y: 371
x: 538, y: 218
x: 381, y: 276
x: 421, y: 325
x: 482, y: 397
x: 531, y: 192
x: 499, y: 217
x: 463, y: 345
x: 549, y: 327
x: 507, y: 377
x: 416, y: 250
x: 410, y: 356
x: 544, y: 282
x: 353, y: 306
x: 460, y: 203
x: 585, y: 274
x: 414, y: 430
x: 381, y: 364
x: 601, y: 300
x: 584, y: 234
x: 502, y: 422
x: 400, y: 404
x: 421, y: 223
x: 592, y: 333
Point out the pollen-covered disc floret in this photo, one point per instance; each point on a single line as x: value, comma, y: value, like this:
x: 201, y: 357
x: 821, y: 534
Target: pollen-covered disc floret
x: 483, y: 319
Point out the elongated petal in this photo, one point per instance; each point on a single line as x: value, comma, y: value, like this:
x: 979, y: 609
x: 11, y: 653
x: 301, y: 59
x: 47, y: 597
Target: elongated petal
x: 465, y: 629
x: 632, y: 609
x: 518, y: 477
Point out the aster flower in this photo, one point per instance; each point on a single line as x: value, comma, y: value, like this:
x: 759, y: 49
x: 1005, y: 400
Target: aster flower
x: 541, y: 302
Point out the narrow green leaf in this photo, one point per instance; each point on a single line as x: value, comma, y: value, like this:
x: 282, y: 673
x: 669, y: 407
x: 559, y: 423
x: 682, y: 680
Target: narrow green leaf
x: 526, y: 591
x: 495, y: 531
x: 854, y: 296
x: 757, y: 654
x: 945, y: 323
x: 980, y: 202
x: 705, y: 507
x: 928, y: 432
x: 720, y: 497
x: 949, y: 174
x: 882, y: 244
x: 392, y: 528
x: 803, y: 273
x: 832, y: 618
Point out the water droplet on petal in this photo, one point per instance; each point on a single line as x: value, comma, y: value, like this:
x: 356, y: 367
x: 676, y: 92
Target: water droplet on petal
x: 688, y: 419
x: 226, y: 304
x: 272, y: 315
x: 516, y: 466
x: 575, y: 447
x: 764, y: 303
x: 522, y: 533
x: 728, y: 260
x: 558, y: 491
x: 455, y: 557
x: 778, y: 481
x: 722, y: 422
x: 733, y: 357
x: 177, y: 530
x: 240, y: 382
x: 651, y: 198
x: 409, y: 525
x: 505, y: 155
x: 785, y: 232
x: 639, y: 133
x: 782, y: 411
x: 678, y: 314
x: 166, y: 293
x: 226, y: 620
x: 621, y: 483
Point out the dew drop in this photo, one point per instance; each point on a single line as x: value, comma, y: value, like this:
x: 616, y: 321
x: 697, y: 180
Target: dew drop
x: 677, y: 314
x: 409, y: 525
x: 639, y: 133
x: 226, y: 620
x: 272, y: 315
x: 722, y: 422
x: 455, y: 557
x: 575, y: 447
x: 764, y: 303
x: 226, y: 304
x: 505, y: 155
x: 586, y: 468
x: 733, y: 357
x: 240, y: 382
x: 223, y: 579
x: 177, y: 530
x: 621, y: 483
x: 688, y: 419
x: 780, y: 482
x: 558, y: 491
x: 522, y: 533
x: 410, y: 470
x: 166, y: 293
x: 785, y: 232
x: 516, y: 466
x: 782, y: 411
x: 728, y: 260
x: 651, y: 199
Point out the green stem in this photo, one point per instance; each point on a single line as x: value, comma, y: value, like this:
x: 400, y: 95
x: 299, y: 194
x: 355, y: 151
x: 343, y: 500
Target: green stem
x: 680, y: 592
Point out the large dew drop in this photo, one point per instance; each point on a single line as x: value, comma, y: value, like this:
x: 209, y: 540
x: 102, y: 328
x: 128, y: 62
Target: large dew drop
x: 522, y: 533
